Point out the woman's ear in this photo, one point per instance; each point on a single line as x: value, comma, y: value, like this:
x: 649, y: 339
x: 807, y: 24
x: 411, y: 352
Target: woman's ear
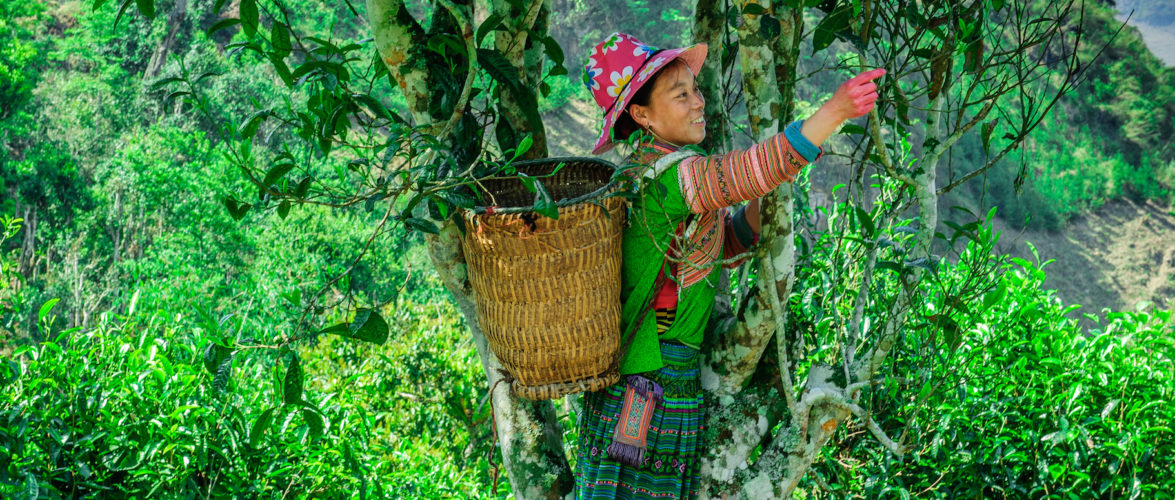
x: 640, y: 114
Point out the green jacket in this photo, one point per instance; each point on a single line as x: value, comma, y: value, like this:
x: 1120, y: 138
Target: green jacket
x: 655, y: 217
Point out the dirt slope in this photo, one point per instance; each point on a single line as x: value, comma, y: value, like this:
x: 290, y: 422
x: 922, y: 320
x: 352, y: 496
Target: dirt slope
x: 1115, y: 257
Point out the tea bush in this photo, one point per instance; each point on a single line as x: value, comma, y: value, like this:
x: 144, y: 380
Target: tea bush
x: 137, y: 407
x: 1042, y: 409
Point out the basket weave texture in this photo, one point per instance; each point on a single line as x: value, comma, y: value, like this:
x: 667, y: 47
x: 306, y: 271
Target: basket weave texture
x: 548, y: 290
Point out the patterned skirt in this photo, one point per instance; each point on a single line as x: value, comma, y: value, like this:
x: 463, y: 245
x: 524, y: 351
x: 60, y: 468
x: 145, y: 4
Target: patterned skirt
x: 671, y: 464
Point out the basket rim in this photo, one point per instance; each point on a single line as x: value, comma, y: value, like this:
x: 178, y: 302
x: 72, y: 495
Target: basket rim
x: 599, y: 193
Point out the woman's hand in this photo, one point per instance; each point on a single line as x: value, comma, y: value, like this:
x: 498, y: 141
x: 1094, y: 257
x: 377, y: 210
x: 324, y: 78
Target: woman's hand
x: 853, y: 99
x: 857, y: 96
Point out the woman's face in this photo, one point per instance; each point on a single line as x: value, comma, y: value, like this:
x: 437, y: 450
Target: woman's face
x: 674, y: 113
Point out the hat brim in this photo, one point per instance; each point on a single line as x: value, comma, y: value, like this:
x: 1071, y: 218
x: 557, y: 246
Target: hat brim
x: 694, y: 56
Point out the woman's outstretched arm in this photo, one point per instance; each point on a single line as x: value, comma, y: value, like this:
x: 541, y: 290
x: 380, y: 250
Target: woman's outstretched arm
x: 853, y: 99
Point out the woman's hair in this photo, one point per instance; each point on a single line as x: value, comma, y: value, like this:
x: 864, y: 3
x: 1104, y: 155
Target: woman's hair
x: 625, y: 125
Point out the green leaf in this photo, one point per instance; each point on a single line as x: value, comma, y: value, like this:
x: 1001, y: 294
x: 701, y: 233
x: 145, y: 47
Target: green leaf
x: 423, y: 225
x: 851, y: 128
x: 31, y: 488
x: 174, y: 95
x: 207, y: 74
x: 753, y: 9
x: 924, y: 52
x: 212, y: 357
x: 377, y: 107
x: 826, y: 31
x: 249, y: 128
x: 279, y: 36
x: 248, y: 10
x: 303, y: 187
x: 314, y: 421
x: 146, y: 8
x: 236, y: 209
x: 490, y: 24
x: 223, y: 372
x: 165, y: 81
x: 523, y: 147
x: 276, y: 172
x: 339, y: 329
x: 499, y: 68
x: 554, y: 51
x: 867, y: 226
x: 98, y: 4
x: 283, y: 70
x: 292, y: 384
x: 121, y: 10
x: 769, y: 27
x: 283, y: 209
x: 994, y: 297
x: 368, y: 326
x: 260, y: 427
x: 527, y: 181
x: 988, y: 127
x: 44, y: 311
x: 543, y: 204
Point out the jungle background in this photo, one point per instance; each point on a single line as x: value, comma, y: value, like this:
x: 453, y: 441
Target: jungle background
x: 125, y: 272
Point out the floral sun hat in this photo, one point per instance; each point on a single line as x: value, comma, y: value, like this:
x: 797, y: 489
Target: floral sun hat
x: 618, y: 66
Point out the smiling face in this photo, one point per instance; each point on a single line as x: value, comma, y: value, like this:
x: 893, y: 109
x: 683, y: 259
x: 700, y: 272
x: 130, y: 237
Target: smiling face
x: 675, y: 109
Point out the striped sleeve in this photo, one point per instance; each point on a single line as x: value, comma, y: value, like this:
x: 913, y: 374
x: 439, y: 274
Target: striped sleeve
x: 712, y: 182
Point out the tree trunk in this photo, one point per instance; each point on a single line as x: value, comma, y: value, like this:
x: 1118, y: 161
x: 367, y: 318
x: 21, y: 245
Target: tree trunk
x: 176, y: 21
x: 528, y: 433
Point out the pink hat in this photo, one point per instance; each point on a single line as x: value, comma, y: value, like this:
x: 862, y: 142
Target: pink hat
x: 610, y: 71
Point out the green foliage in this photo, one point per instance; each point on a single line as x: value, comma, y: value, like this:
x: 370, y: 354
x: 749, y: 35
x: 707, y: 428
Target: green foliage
x: 1041, y: 409
x: 165, y: 346
x: 133, y: 408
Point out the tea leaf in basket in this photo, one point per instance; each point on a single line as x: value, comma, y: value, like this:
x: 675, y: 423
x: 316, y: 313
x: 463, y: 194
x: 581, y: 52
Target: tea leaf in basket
x: 543, y: 204
x: 527, y: 181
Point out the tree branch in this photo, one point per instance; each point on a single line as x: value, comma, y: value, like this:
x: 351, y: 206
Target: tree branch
x: 890, y: 444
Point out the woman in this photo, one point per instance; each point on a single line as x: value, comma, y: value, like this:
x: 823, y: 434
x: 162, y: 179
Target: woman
x: 640, y: 438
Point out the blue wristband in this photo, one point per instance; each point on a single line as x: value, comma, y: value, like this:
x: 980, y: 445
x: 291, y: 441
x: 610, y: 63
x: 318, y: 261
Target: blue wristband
x: 801, y: 144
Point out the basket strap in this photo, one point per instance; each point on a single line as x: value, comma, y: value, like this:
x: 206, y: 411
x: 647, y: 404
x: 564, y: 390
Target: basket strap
x: 662, y: 164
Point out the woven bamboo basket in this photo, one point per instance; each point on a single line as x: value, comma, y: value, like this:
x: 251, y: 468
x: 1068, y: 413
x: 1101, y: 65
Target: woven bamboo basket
x: 548, y: 290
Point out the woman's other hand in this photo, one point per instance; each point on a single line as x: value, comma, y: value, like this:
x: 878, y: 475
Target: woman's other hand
x: 854, y: 98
